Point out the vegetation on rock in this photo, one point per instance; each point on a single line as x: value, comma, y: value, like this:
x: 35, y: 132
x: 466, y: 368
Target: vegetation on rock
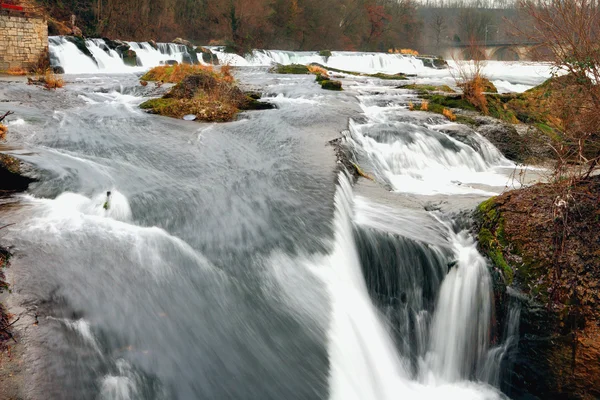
x: 425, y: 89
x: 328, y: 84
x: 297, y: 69
x: 208, y: 94
x: 543, y: 240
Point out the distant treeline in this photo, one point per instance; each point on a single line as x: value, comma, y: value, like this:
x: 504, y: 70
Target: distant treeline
x: 366, y: 25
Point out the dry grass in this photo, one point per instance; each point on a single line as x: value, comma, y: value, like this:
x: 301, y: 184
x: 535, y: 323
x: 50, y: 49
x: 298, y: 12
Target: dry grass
x: 316, y: 70
x: 424, y: 106
x: 449, y: 114
x: 16, y: 71
x: 410, y: 52
x: 3, y: 131
x: 52, y: 81
x: 411, y: 106
x: 176, y: 73
x: 226, y: 73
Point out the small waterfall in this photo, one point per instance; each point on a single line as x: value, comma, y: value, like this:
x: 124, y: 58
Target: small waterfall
x: 344, y: 60
x: 104, y: 59
x: 460, y: 333
x: 416, y: 158
x: 368, y: 359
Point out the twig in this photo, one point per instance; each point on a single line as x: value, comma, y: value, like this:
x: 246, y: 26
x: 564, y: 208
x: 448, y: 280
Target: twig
x: 6, y: 226
x: 5, y: 329
x: 6, y: 115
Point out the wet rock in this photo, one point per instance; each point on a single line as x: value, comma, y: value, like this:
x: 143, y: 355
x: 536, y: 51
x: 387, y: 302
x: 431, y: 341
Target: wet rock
x: 11, y: 178
x: 57, y: 69
x: 208, y: 56
x: 184, y: 42
x: 504, y: 136
x: 130, y: 58
x: 331, y: 85
x: 153, y: 44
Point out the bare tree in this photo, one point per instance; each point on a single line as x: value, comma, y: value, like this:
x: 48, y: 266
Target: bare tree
x: 570, y: 31
x: 438, y: 28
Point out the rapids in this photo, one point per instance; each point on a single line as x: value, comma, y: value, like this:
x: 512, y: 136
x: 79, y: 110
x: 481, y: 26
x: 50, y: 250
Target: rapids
x: 236, y: 260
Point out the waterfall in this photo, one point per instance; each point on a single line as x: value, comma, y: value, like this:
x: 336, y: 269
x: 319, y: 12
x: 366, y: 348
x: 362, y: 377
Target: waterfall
x: 66, y: 54
x: 366, y: 362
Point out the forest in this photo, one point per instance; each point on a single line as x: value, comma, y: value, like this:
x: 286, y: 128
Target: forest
x: 362, y: 25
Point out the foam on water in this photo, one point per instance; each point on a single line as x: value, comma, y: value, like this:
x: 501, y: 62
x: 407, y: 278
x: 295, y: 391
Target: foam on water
x: 413, y: 159
x: 365, y: 364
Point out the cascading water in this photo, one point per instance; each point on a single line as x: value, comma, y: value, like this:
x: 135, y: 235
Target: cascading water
x: 229, y: 266
x: 66, y: 54
x: 365, y: 364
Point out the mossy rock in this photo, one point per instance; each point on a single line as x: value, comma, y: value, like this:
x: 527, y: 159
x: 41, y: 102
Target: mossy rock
x: 322, y: 78
x: 297, y: 69
x: 331, y: 85
x: 394, y: 77
x: 130, y: 58
x: 491, y: 237
x: 450, y: 101
x: 429, y: 88
x: 325, y: 53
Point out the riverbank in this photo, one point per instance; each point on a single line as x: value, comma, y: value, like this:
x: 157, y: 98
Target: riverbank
x: 543, y: 242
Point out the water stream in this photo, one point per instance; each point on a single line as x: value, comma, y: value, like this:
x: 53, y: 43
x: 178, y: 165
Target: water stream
x: 236, y: 260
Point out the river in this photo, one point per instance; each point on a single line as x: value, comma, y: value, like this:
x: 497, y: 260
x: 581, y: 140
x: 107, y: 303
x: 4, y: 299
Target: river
x: 238, y: 260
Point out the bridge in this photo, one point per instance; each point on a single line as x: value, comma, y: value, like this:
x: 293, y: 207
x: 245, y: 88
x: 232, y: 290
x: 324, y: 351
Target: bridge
x: 502, y: 50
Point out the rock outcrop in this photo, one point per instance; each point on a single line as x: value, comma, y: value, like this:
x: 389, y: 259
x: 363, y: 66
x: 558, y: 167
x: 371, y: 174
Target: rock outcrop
x: 543, y: 242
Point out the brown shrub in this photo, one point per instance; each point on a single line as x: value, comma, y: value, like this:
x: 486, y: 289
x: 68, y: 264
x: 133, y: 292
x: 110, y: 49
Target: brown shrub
x: 52, y: 81
x: 316, y: 70
x: 449, y: 114
x: 3, y: 131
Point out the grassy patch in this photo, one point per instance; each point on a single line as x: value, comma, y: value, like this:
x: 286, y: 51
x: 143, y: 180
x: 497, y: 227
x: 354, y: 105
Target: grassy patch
x: 176, y: 73
x: 394, y: 77
x: 208, y: 94
x: 429, y: 88
x: 297, y: 69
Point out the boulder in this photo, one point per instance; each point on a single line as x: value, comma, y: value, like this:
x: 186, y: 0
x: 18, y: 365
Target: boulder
x: 184, y: 42
x: 331, y: 85
x: 207, y: 56
x: 130, y: 58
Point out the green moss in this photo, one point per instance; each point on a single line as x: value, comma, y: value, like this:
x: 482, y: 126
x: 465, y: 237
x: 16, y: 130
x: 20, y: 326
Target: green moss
x: 325, y: 53
x: 321, y: 78
x: 158, y: 105
x: 429, y: 88
x: 331, y: 85
x: 491, y: 237
x: 450, y: 102
x: 291, y: 69
x: 395, y: 77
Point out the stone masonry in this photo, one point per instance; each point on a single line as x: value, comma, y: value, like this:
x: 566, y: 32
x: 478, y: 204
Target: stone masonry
x: 23, y: 40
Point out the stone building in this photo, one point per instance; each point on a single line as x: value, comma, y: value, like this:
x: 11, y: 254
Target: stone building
x: 23, y: 40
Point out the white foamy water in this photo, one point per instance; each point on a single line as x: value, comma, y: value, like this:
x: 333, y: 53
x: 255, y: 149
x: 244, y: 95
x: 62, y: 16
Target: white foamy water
x: 365, y: 364
x: 74, y: 61
x: 421, y: 161
x: 508, y: 76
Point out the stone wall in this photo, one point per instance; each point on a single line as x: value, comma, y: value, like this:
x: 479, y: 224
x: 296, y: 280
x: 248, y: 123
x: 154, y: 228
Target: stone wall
x: 23, y: 40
